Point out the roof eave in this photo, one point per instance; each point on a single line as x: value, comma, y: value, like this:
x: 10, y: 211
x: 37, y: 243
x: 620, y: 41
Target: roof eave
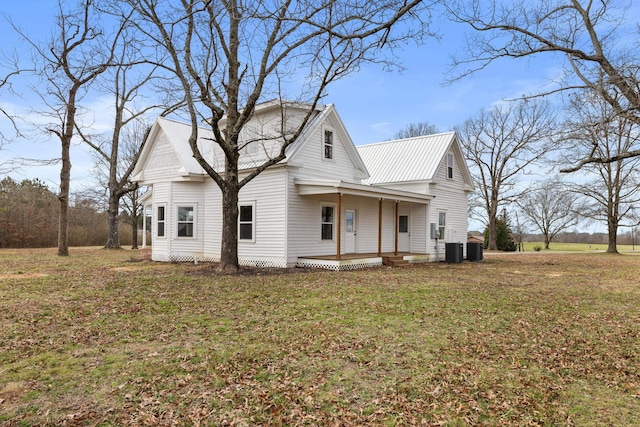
x: 307, y: 187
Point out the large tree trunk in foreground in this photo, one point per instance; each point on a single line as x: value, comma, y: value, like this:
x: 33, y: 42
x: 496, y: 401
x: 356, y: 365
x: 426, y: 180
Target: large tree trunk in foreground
x: 229, y: 245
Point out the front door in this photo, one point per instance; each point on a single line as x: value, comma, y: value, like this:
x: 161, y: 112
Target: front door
x: 404, y: 233
x: 350, y: 231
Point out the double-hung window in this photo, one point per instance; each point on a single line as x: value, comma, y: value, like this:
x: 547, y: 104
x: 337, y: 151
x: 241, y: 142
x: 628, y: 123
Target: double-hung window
x: 185, y: 221
x: 160, y: 221
x: 246, y: 222
x: 328, y: 144
x: 442, y: 224
x: 327, y: 223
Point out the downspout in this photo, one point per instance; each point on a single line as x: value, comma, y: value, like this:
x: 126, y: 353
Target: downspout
x: 395, y: 249
x: 380, y: 227
x: 339, y: 219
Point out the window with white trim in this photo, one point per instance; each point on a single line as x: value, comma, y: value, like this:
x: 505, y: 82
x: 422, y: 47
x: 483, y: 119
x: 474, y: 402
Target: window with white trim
x: 327, y: 223
x: 328, y: 144
x: 450, y: 166
x: 185, y: 221
x: 160, y: 221
x: 246, y: 221
x: 442, y: 224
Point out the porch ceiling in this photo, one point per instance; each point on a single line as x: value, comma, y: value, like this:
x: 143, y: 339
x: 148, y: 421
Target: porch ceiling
x: 307, y: 187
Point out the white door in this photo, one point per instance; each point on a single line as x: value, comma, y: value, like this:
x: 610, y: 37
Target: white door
x: 350, y: 231
x: 404, y: 233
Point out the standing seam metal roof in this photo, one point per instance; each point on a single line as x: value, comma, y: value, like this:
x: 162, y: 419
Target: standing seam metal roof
x: 411, y: 159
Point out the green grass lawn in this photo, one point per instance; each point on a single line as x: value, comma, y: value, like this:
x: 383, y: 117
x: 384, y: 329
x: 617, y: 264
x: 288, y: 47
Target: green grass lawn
x: 95, y: 339
x: 579, y: 247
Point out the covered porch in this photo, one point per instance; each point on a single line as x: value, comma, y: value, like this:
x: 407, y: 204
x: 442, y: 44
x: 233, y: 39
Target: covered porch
x: 383, y: 232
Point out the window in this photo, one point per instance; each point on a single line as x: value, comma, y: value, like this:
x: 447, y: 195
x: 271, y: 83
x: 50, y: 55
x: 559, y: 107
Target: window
x: 403, y: 223
x: 160, y: 221
x: 450, y: 166
x: 328, y: 144
x: 185, y: 221
x: 327, y: 223
x: 246, y: 221
x: 251, y: 137
x: 442, y: 223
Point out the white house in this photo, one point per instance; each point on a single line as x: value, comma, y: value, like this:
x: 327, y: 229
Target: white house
x: 328, y: 204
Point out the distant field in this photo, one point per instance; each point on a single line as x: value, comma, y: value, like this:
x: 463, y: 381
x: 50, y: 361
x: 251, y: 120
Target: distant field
x: 579, y: 247
x: 107, y: 338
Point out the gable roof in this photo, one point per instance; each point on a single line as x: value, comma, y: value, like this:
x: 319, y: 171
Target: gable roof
x: 327, y: 112
x: 410, y: 159
x: 178, y: 134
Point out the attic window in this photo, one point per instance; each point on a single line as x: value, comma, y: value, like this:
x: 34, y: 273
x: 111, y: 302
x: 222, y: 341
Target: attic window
x: 328, y: 144
x: 450, y: 166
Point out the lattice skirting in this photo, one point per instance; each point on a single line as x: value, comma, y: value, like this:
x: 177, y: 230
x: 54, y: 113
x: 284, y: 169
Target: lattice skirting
x: 266, y: 262
x: 339, y: 265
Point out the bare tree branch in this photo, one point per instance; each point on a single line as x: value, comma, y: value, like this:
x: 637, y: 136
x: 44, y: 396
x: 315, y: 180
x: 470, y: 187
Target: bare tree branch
x: 588, y: 35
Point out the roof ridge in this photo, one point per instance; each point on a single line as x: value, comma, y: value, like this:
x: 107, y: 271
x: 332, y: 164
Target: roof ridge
x: 393, y: 141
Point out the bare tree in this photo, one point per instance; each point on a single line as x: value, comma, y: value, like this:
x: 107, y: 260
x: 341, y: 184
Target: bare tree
x: 615, y: 186
x: 229, y: 56
x: 416, y: 129
x: 503, y: 144
x: 79, y: 52
x: 591, y: 36
x: 133, y: 213
x: 113, y: 169
x: 125, y: 80
x: 551, y: 207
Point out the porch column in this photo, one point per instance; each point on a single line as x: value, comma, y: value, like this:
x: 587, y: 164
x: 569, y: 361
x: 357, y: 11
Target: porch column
x: 379, y: 227
x: 395, y: 249
x: 339, y: 219
x: 144, y: 226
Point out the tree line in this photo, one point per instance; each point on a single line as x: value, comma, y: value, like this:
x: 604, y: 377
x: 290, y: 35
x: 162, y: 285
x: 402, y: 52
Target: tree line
x: 28, y: 212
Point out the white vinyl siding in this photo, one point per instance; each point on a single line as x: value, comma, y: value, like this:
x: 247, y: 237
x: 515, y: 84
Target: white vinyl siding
x: 340, y: 168
x: 267, y: 194
x: 163, y: 161
x: 187, y: 195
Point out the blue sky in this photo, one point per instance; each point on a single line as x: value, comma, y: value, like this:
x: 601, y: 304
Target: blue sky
x: 373, y: 103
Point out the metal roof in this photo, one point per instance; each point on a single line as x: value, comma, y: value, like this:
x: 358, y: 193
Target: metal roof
x: 402, y: 160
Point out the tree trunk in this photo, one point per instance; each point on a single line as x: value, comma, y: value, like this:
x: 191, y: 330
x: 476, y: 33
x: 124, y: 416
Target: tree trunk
x: 63, y: 197
x: 113, y: 237
x: 546, y: 240
x: 229, y: 246
x: 134, y: 233
x: 65, y: 175
x: 612, y: 246
x: 493, y: 246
